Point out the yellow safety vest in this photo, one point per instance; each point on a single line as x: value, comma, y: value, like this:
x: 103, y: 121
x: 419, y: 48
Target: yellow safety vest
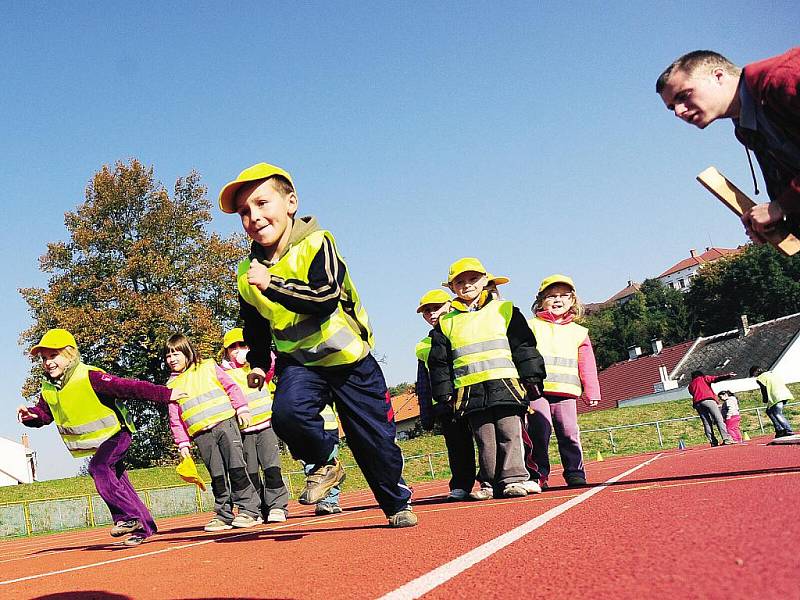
x: 423, y: 349
x: 558, y: 345
x: 341, y: 338
x: 206, y: 403
x: 776, y: 390
x: 82, y: 420
x: 258, y: 401
x: 479, y: 342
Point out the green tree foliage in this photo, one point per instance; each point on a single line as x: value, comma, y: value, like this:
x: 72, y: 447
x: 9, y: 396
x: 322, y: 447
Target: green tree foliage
x: 759, y: 282
x: 138, y: 266
x: 401, y: 388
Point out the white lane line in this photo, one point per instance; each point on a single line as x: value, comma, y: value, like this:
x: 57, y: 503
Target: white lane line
x: 425, y: 583
x: 170, y: 549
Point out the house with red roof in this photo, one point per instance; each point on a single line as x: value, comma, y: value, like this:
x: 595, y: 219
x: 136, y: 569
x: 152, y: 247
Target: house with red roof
x: 406, y: 412
x: 679, y: 275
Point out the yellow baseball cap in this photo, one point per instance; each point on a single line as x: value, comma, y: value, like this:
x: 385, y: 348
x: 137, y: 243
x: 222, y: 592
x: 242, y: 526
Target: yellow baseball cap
x: 227, y: 197
x: 55, y: 339
x: 548, y: 281
x: 498, y: 279
x: 233, y: 336
x: 462, y: 265
x: 433, y: 297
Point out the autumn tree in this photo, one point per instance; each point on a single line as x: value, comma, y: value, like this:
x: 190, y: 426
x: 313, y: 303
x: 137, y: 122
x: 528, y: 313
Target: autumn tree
x: 138, y: 266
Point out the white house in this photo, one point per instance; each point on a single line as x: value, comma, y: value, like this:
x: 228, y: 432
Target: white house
x: 680, y: 274
x: 17, y: 462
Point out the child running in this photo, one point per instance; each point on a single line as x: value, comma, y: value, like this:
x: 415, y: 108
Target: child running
x: 210, y: 415
x: 571, y: 374
x: 456, y: 432
x: 483, y: 358
x: 775, y: 395
x: 259, y: 440
x: 84, y: 403
x: 296, y: 291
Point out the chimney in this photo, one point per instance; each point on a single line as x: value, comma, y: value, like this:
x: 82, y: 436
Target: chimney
x: 634, y: 352
x: 657, y: 345
x: 25, y: 440
x: 744, y: 326
x: 693, y: 253
x: 662, y: 374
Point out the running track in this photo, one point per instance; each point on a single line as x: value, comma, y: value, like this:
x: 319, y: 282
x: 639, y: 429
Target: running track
x: 700, y: 523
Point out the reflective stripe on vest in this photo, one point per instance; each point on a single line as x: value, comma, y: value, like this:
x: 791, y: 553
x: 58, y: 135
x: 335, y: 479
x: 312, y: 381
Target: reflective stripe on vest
x: 207, y: 403
x: 82, y: 420
x: 341, y: 338
x: 423, y: 349
x: 329, y: 419
x: 258, y: 401
x: 490, y: 357
x: 558, y: 344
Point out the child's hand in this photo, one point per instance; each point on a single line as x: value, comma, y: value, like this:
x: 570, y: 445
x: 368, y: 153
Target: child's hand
x: 184, y: 452
x: 177, y: 395
x: 244, y: 420
x: 24, y: 414
x: 258, y: 275
x: 589, y: 402
x: 256, y: 378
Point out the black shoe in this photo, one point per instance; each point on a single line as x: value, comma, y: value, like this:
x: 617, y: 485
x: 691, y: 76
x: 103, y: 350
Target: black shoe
x: 576, y: 481
x: 135, y: 540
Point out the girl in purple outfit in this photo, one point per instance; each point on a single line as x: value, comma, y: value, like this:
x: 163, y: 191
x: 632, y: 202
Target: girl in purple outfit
x: 84, y: 403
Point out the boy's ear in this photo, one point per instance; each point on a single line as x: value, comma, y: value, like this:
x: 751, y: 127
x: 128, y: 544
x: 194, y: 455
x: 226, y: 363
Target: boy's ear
x: 292, y: 202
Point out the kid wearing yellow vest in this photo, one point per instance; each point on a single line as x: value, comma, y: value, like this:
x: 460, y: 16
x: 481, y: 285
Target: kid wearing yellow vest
x: 483, y: 359
x: 571, y: 374
x: 775, y: 395
x: 211, y: 415
x: 84, y: 403
x: 296, y: 292
x: 259, y: 439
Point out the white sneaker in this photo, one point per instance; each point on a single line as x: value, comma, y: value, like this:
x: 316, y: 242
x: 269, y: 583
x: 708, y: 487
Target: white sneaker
x: 457, y: 494
x: 217, y: 524
x: 531, y: 486
x: 515, y: 490
x: 243, y: 520
x: 276, y: 515
x: 482, y: 493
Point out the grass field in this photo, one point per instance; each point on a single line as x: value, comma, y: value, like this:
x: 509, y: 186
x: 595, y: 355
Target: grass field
x: 421, y: 467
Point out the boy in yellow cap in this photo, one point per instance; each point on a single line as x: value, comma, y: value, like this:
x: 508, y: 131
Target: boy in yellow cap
x: 84, y: 403
x: 295, y: 290
x: 483, y: 357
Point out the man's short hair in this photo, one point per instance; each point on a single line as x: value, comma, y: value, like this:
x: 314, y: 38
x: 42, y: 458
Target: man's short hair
x: 692, y: 61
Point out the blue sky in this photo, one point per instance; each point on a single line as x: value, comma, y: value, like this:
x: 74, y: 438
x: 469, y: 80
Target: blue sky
x: 528, y: 136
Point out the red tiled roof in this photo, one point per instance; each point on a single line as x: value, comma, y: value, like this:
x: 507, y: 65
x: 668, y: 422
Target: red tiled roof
x: 406, y: 406
x: 710, y: 255
x: 628, y: 290
x: 633, y: 378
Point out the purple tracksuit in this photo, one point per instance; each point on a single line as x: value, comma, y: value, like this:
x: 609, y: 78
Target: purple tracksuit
x: 107, y: 466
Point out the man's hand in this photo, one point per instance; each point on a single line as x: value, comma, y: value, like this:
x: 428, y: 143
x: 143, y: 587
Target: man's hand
x: 24, y: 414
x: 761, y: 219
x: 184, y: 452
x: 258, y: 275
x: 177, y: 395
x: 245, y: 419
x: 256, y: 378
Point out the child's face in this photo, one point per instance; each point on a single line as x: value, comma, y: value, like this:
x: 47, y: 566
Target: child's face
x: 176, y: 361
x: 469, y: 285
x: 266, y: 213
x: 558, y: 298
x: 237, y: 352
x: 432, y: 312
x: 53, y: 362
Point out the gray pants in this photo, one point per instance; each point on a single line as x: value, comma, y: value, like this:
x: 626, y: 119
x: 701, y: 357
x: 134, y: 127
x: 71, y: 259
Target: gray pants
x: 710, y: 415
x: 498, y: 434
x: 221, y: 450
x: 261, y: 449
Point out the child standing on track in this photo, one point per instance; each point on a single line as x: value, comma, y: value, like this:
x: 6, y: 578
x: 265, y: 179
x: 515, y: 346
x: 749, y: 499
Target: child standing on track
x: 571, y: 374
x: 208, y: 416
x: 775, y: 395
x: 704, y: 401
x: 259, y: 439
x: 730, y: 412
x: 483, y: 358
x: 83, y: 402
x: 457, y: 434
x: 295, y: 290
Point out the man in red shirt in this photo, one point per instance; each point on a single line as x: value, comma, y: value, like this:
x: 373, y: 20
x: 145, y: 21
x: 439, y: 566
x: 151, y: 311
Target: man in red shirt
x: 705, y: 402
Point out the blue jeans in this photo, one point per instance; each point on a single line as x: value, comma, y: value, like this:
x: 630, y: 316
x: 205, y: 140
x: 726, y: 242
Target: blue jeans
x: 779, y: 420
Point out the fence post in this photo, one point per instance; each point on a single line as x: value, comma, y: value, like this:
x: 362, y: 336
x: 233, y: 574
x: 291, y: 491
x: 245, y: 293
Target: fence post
x: 430, y: 464
x: 760, y: 421
x: 91, y: 510
x: 660, y: 439
x: 26, y: 510
x: 613, y: 445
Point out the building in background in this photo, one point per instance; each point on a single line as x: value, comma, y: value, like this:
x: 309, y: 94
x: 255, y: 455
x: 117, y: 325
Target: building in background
x: 17, y: 462
x: 679, y: 275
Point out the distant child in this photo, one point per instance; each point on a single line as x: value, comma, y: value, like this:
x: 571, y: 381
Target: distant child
x: 571, y: 374
x: 730, y: 412
x: 704, y: 401
x: 296, y: 291
x: 483, y: 358
x: 457, y: 434
x: 84, y: 403
x: 775, y: 395
x: 211, y: 415
x: 259, y: 440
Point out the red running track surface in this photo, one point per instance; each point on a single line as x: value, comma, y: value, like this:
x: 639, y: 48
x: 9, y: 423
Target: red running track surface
x: 701, y: 523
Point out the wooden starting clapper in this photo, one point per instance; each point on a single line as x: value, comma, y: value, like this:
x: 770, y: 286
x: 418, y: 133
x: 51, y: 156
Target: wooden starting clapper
x: 735, y: 199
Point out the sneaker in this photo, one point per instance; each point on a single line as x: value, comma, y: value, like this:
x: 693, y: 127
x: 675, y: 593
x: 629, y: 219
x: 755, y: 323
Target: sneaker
x: 482, y: 493
x: 320, y: 482
x: 532, y: 486
x: 135, y: 540
x: 217, y: 524
x: 125, y: 527
x: 327, y: 508
x: 403, y: 518
x: 575, y: 481
x: 243, y: 520
x: 728, y: 442
x: 276, y: 515
x: 515, y: 490
x: 458, y: 494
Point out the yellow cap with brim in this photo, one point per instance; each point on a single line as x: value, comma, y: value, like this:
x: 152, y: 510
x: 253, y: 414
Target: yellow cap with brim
x: 188, y: 472
x: 497, y: 280
x: 233, y: 336
x: 462, y: 265
x: 433, y: 297
x: 548, y: 281
x: 55, y: 339
x: 227, y: 197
